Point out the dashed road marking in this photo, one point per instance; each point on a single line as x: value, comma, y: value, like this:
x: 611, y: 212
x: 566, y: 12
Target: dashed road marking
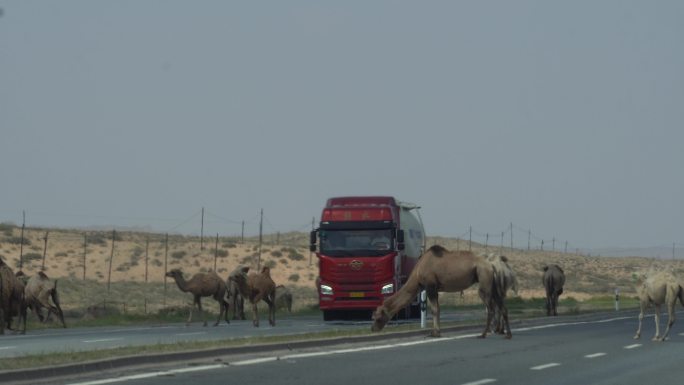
x: 102, y: 340
x: 632, y: 346
x: 594, y: 355
x: 481, y: 382
x: 7, y: 347
x: 545, y: 366
x: 254, y: 361
x: 151, y: 374
x: 190, y: 334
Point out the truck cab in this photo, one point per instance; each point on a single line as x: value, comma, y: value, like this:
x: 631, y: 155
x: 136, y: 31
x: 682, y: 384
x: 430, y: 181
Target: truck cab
x: 367, y: 247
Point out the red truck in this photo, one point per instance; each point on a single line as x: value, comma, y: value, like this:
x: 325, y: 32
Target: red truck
x: 367, y: 247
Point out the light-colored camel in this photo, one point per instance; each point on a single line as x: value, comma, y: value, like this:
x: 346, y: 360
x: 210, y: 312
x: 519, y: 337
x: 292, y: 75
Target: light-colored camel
x: 11, y: 299
x: 506, y: 280
x: 235, y: 300
x: 659, y: 288
x: 41, y: 292
x: 203, y: 285
x: 256, y: 287
x: 448, y: 271
x: 283, y: 298
x: 553, y: 280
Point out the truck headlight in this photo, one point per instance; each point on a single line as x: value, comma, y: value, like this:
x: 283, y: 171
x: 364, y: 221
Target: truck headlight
x: 387, y: 289
x: 326, y: 290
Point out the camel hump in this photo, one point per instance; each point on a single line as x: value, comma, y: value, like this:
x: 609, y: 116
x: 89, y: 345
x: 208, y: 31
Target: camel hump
x: 437, y: 250
x: 266, y: 271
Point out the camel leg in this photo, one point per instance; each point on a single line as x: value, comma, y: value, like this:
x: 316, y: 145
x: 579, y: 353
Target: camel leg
x: 271, y: 309
x: 643, y: 305
x: 222, y: 309
x: 201, y: 311
x: 433, y: 296
x: 255, y: 315
x: 657, y: 323
x: 670, y: 315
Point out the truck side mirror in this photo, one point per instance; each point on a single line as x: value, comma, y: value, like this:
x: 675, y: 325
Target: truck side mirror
x: 312, y: 241
x: 400, y: 240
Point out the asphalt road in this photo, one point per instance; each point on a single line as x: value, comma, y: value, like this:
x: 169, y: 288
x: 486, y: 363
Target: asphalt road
x: 599, y: 351
x: 92, y: 338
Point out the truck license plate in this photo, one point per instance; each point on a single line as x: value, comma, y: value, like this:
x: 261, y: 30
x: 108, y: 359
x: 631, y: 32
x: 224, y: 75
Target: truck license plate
x: 356, y: 294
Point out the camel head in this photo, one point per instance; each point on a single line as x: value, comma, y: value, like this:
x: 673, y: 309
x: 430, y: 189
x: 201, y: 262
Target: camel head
x: 173, y: 273
x: 239, y: 275
x: 380, y: 318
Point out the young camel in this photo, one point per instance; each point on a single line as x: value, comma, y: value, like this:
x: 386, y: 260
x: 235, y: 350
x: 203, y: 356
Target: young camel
x: 659, y: 288
x: 553, y: 280
x: 256, y: 287
x: 283, y: 298
x: 38, y: 292
x: 506, y: 280
x: 441, y: 270
x: 203, y: 285
x: 235, y: 300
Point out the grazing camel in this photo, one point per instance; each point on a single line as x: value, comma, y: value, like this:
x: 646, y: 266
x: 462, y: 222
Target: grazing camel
x: 553, y: 280
x: 235, y: 300
x: 11, y: 299
x: 38, y: 292
x: 203, y: 285
x: 506, y: 280
x: 659, y: 288
x: 283, y: 299
x: 441, y: 270
x: 256, y: 287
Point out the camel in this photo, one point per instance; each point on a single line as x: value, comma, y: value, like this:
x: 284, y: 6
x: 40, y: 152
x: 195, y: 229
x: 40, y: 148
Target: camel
x: 11, y: 299
x: 506, y: 280
x: 235, y: 300
x: 553, y: 280
x: 283, y: 299
x: 38, y: 292
x: 659, y: 288
x: 203, y: 285
x: 256, y: 287
x: 448, y: 271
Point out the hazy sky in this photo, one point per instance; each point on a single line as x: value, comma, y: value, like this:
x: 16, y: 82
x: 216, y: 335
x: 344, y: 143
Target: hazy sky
x: 563, y: 117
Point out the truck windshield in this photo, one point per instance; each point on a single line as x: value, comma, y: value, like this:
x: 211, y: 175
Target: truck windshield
x: 356, y: 243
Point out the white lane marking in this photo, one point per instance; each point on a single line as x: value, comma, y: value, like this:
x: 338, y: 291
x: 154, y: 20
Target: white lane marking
x: 632, y: 346
x: 594, y: 355
x: 7, y: 347
x: 151, y: 374
x: 189, y: 334
x: 102, y: 340
x: 254, y: 361
x: 545, y: 366
x: 482, y: 381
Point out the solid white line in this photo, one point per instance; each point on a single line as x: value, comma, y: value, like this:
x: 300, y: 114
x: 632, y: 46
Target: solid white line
x: 482, y: 381
x: 545, y: 366
x: 103, y: 340
x: 149, y: 375
x: 7, y: 347
x: 189, y: 334
x: 595, y: 355
x: 632, y: 346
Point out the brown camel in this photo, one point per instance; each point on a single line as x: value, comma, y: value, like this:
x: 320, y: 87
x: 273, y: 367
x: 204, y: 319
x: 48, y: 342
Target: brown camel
x: 553, y: 280
x: 441, y: 270
x: 256, y: 287
x: 203, y: 285
x: 38, y: 292
x: 235, y: 300
x: 659, y: 288
x: 506, y: 280
x: 283, y: 299
x: 11, y: 299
